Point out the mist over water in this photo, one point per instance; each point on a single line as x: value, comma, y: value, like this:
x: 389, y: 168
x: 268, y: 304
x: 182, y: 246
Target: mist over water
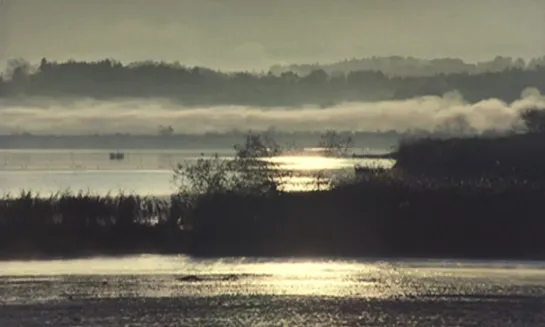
x: 88, y: 116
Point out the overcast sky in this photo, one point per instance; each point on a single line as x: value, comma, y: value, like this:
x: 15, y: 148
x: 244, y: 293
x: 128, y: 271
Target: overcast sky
x: 254, y: 34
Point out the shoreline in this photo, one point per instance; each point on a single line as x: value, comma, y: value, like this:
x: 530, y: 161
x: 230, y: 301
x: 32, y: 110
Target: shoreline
x: 362, y: 258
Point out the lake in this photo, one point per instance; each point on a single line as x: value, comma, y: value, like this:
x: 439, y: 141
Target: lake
x: 151, y: 290
x: 154, y: 290
x: 144, y: 172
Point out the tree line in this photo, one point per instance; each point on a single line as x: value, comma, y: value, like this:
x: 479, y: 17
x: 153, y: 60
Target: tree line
x: 194, y: 86
x: 410, y: 66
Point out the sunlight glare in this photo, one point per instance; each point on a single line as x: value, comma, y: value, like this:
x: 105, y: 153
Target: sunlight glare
x: 306, y: 163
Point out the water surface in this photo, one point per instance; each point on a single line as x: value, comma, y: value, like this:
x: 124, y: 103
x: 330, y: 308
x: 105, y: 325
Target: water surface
x: 144, y: 172
x: 180, y: 290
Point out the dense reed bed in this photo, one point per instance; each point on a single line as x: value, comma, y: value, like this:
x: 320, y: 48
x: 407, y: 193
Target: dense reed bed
x: 68, y: 224
x: 382, y: 214
x: 520, y: 156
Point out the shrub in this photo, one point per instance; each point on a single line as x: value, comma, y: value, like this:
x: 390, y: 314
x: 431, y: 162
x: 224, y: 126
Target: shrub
x: 249, y: 172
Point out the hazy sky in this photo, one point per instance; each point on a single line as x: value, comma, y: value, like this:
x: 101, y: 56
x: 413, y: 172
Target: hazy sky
x: 254, y: 34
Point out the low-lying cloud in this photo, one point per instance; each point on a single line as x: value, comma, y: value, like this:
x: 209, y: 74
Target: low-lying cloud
x: 134, y: 116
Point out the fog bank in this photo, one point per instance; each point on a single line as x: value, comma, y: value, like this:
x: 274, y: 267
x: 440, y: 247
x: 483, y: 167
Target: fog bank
x: 87, y: 116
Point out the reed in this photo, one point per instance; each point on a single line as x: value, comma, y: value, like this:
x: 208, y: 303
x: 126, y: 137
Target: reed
x: 72, y: 224
x: 380, y: 214
x: 519, y: 156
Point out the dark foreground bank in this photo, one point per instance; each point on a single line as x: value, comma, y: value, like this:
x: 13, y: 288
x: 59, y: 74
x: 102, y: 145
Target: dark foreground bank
x: 384, y: 215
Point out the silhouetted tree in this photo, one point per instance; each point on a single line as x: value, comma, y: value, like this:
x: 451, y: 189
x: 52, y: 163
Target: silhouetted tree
x: 250, y: 171
x: 456, y: 125
x: 316, y: 77
x: 166, y: 130
x: 534, y: 120
x: 335, y: 144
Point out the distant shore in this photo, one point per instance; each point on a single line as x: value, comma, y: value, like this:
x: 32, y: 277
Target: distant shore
x: 372, y: 140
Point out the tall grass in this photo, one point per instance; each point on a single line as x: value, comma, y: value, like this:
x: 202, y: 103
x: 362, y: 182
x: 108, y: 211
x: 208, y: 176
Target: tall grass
x: 381, y: 214
x: 73, y: 224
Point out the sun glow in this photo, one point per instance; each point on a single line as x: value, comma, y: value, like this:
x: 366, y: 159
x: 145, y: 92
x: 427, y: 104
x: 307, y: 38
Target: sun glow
x: 309, y: 163
x: 314, y: 277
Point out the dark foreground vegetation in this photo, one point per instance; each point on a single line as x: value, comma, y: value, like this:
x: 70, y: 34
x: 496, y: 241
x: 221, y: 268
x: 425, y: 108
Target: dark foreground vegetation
x: 518, y: 156
x: 521, y: 156
x: 502, y: 78
x: 383, y: 216
x: 473, y: 198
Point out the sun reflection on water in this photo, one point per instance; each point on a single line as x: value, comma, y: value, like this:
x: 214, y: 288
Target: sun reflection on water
x: 154, y: 276
x: 309, y: 163
x: 314, y: 278
x: 311, y: 171
x: 162, y: 276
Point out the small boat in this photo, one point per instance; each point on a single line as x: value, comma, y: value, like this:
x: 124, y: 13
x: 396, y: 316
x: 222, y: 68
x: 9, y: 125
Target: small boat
x: 117, y: 155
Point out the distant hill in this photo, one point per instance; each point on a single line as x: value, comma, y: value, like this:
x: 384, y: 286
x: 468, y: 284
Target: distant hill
x: 409, y: 66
